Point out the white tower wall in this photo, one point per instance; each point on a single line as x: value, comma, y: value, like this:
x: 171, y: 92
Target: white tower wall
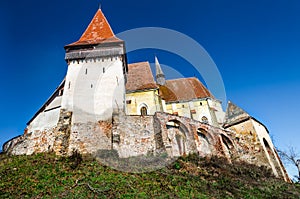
x: 94, y: 89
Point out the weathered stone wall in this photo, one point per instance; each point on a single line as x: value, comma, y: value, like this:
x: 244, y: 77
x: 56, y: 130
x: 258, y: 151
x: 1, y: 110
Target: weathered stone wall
x: 133, y: 135
x: 27, y: 144
x: 251, y: 150
x: 151, y: 135
x: 197, y: 137
x: 175, y: 135
x: 250, y: 135
x: 90, y: 137
x: 62, y: 133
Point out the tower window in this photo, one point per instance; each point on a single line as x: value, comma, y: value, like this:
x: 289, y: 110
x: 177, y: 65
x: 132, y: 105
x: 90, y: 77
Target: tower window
x: 86, y: 71
x: 69, y: 86
x: 103, y: 70
x: 61, y: 92
x: 143, y: 111
x: 201, y: 104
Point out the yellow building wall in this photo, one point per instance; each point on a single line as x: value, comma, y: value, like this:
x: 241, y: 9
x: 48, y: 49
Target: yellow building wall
x: 149, y: 99
x: 196, y: 109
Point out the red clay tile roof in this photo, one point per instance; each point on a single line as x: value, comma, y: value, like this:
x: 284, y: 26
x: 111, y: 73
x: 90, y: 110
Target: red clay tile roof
x: 98, y: 31
x: 140, y: 77
x: 184, y: 89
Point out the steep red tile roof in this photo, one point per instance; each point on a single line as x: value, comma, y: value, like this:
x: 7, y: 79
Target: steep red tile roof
x: 140, y: 77
x: 183, y: 90
x: 98, y: 31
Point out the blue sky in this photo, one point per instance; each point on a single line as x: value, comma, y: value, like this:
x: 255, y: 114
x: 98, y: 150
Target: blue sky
x: 255, y: 45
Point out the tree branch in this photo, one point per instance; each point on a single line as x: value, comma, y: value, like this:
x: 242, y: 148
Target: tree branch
x: 95, y: 190
x: 291, y: 157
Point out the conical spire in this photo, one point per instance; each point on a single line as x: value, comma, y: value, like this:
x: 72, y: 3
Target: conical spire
x: 98, y: 31
x: 160, y: 76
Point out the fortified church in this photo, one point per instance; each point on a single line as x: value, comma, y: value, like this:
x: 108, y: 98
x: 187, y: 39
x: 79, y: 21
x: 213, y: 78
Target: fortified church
x: 104, y: 103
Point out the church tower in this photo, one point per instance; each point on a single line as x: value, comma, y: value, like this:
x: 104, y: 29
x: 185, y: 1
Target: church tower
x: 95, y: 81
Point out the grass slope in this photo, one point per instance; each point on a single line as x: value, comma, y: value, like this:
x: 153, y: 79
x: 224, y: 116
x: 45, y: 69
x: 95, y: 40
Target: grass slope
x: 49, y: 176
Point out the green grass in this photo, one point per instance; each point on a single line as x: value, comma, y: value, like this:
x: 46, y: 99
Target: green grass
x: 49, y: 176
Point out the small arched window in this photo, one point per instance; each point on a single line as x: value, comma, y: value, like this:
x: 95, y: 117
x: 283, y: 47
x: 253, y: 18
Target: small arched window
x: 143, y: 111
x: 204, y: 119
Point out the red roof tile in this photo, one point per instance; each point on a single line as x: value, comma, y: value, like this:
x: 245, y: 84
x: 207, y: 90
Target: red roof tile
x: 140, y: 77
x: 184, y: 89
x: 98, y: 31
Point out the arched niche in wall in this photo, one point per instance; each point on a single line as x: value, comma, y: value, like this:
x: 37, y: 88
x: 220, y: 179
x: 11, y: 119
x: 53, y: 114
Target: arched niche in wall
x: 229, y: 147
x: 176, y: 133
x: 272, y: 157
x: 269, y: 150
x: 204, y: 145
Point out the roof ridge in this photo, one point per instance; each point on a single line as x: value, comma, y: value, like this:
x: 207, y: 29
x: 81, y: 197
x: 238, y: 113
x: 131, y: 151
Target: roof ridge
x: 181, y: 78
x: 140, y: 62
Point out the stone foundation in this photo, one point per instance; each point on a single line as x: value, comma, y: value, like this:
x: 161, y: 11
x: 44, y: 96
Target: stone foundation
x: 131, y: 136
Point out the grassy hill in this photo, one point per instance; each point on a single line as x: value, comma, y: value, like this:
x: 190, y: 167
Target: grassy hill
x: 49, y: 176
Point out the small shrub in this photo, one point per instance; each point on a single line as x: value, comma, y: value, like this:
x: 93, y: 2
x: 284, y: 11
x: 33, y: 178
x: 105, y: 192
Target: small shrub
x: 177, y: 165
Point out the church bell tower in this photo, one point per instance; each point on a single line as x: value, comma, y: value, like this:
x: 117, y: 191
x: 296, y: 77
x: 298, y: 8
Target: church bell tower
x: 95, y: 81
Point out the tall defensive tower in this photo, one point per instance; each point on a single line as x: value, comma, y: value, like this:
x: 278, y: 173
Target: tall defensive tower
x: 95, y: 82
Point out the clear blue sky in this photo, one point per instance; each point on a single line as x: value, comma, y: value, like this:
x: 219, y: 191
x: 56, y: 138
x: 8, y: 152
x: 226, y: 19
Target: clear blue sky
x: 255, y: 44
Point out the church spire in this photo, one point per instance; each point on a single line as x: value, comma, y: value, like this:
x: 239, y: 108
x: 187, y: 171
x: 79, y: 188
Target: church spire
x: 160, y: 76
x: 98, y: 31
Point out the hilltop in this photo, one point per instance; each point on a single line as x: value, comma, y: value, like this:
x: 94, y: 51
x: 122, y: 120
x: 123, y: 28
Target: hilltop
x: 49, y: 176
